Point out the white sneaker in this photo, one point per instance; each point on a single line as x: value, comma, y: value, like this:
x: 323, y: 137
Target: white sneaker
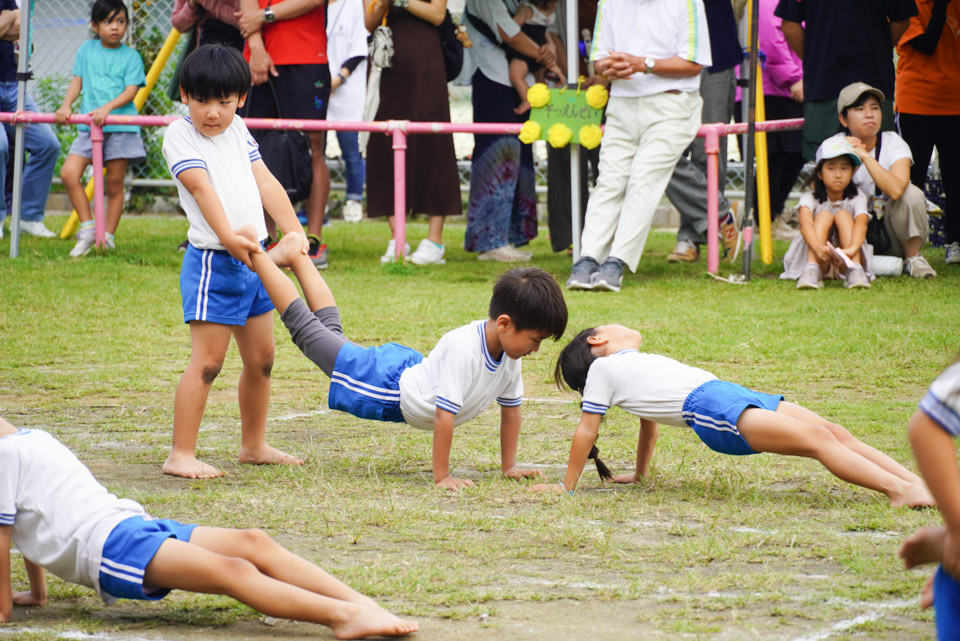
x: 109, y: 243
x: 952, y: 255
x: 501, y: 255
x: 390, y: 255
x: 35, y: 228
x: 918, y: 267
x: 428, y: 253
x: 85, y: 240
x: 352, y: 211
x: 522, y: 254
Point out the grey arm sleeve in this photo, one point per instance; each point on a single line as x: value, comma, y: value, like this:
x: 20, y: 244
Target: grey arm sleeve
x: 319, y: 336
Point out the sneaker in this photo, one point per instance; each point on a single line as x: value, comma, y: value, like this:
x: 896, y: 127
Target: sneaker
x: 684, y: 252
x: 427, y: 253
x: 918, y: 267
x: 783, y: 231
x: 856, y: 278
x: 270, y: 243
x: 109, y: 243
x: 183, y: 246
x: 391, y: 254
x: 302, y: 216
x: 85, y: 240
x: 730, y: 236
x: 522, y: 254
x: 1, y: 229
x: 317, y: 252
x: 952, y: 253
x: 609, y: 276
x: 352, y: 211
x: 810, y: 277
x: 35, y: 228
x: 581, y: 274
x: 501, y: 255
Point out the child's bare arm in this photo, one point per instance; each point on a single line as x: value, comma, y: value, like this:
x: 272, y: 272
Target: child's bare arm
x: 509, y: 436
x: 66, y: 109
x: 583, y: 440
x: 198, y: 184
x: 36, y: 596
x: 6, y: 591
x: 276, y: 201
x: 127, y: 95
x: 442, y: 440
x: 646, y: 442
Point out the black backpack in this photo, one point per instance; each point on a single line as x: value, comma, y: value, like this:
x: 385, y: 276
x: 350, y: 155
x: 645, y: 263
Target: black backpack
x: 286, y: 153
x: 451, y: 46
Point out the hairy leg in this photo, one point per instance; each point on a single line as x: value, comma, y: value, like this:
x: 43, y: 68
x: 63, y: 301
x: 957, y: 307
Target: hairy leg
x: 208, y: 346
x: 72, y: 174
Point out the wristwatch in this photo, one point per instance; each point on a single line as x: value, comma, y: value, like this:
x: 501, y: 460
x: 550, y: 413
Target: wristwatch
x: 649, y: 64
x: 342, y: 77
x: 268, y: 15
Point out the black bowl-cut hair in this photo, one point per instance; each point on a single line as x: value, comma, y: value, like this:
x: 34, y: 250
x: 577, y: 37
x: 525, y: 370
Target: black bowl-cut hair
x: 532, y: 299
x: 214, y: 71
x: 103, y: 10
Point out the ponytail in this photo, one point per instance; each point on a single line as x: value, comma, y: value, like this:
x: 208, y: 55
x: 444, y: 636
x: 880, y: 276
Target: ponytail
x: 602, y: 470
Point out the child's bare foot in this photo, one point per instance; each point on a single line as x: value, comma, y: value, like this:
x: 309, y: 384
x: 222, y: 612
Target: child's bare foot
x: 370, y: 621
x: 287, y: 250
x: 522, y: 108
x: 249, y: 232
x: 923, y: 546
x: 189, y: 467
x: 266, y: 455
x: 926, y: 592
x: 913, y: 496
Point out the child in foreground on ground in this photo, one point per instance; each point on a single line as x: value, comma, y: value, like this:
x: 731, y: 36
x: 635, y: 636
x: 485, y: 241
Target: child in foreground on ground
x: 605, y: 366
x: 223, y: 184
x: 832, y: 210
x: 470, y: 368
x: 533, y: 16
x: 60, y: 518
x: 931, y: 430
x: 108, y: 73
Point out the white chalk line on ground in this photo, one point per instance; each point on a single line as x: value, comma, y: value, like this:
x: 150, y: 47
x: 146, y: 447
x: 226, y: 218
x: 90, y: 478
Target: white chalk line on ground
x: 877, y: 611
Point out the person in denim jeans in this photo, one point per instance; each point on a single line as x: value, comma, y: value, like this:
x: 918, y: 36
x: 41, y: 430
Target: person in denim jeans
x: 39, y: 139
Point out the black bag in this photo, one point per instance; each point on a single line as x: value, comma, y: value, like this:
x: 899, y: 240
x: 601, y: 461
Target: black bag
x: 876, y: 232
x: 451, y: 47
x: 286, y: 153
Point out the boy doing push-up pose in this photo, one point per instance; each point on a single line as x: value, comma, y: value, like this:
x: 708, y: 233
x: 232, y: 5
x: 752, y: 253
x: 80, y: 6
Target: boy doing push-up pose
x: 470, y: 368
x: 60, y: 518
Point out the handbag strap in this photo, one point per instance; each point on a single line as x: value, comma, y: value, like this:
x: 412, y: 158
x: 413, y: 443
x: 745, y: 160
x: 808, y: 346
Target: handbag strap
x: 485, y: 30
x: 276, y: 100
x: 877, y: 191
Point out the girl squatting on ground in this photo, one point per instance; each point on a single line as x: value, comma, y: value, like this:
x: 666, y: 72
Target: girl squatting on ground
x: 107, y: 74
x: 605, y: 365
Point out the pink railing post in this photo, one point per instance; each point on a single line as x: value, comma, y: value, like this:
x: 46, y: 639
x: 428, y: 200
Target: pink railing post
x: 399, y: 185
x: 712, y: 147
x: 96, y: 137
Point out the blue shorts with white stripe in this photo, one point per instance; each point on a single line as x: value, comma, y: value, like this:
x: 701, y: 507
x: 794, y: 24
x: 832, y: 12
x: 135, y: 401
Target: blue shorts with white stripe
x: 129, y: 549
x: 218, y: 288
x: 366, y: 380
x: 713, y: 409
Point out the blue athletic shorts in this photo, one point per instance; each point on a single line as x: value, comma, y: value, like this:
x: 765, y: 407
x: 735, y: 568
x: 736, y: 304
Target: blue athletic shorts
x: 366, y: 380
x: 127, y: 551
x: 216, y: 287
x: 714, y: 408
x: 946, y: 605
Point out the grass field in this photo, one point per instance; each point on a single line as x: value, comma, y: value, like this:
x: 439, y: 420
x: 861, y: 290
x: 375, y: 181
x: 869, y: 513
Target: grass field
x: 711, y: 547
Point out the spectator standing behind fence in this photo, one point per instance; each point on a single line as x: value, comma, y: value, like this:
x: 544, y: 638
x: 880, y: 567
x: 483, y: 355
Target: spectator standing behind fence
x: 653, y: 52
x: 502, y: 210
x: 414, y: 88
x: 842, y: 42
x: 928, y: 103
x: 884, y: 176
x: 287, y: 52
x: 215, y: 21
x: 39, y: 140
x: 687, y: 189
x: 107, y: 74
x: 347, y: 52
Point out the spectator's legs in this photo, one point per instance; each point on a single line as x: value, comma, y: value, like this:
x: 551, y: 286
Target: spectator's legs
x: 355, y: 167
x: 948, y: 148
x: 906, y: 222
x: 558, y: 194
x: 320, y: 190
x: 4, y: 157
x: 44, y: 148
x: 72, y: 173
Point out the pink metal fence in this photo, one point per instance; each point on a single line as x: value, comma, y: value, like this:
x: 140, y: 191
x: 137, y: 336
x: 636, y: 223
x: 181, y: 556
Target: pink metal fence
x: 399, y: 130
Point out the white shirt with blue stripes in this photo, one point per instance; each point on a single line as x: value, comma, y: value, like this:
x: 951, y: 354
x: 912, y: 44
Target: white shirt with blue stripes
x: 650, y: 386
x: 61, y: 515
x: 942, y: 402
x: 228, y: 159
x: 461, y: 376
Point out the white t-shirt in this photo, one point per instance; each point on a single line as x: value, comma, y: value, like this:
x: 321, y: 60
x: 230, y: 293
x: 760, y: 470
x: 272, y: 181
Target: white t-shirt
x: 892, y: 149
x: 856, y: 206
x: 61, y: 515
x: 539, y: 18
x: 346, y: 39
x: 650, y: 386
x: 461, y: 377
x: 227, y: 158
x: 655, y: 29
x: 942, y: 402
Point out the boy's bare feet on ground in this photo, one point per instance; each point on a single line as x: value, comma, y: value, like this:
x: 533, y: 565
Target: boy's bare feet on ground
x: 922, y: 547
x: 266, y: 455
x: 912, y: 495
x: 287, y: 250
x: 373, y: 621
x: 189, y: 467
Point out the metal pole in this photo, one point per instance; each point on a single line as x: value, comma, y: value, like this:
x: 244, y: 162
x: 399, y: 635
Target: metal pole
x: 23, y: 73
x: 99, y: 221
x: 711, y: 145
x: 748, y: 157
x: 399, y: 187
x: 573, y: 73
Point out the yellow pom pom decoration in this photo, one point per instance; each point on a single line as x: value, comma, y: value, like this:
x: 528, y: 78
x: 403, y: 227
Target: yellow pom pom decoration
x: 538, y: 95
x: 597, y: 96
x: 530, y: 131
x: 559, y: 135
x: 590, y: 136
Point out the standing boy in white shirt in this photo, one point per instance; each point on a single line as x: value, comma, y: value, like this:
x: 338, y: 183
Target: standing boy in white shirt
x: 223, y: 185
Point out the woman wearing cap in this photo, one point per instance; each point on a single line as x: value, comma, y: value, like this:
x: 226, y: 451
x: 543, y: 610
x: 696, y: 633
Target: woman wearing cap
x: 884, y: 176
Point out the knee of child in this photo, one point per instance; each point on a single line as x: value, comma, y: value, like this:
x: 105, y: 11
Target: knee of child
x: 114, y: 186
x: 235, y: 569
x: 256, y: 539
x: 210, y: 372
x: 267, y: 367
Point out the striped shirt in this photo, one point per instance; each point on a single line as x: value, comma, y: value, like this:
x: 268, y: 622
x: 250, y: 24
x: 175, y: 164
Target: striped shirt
x: 656, y: 29
x: 942, y: 402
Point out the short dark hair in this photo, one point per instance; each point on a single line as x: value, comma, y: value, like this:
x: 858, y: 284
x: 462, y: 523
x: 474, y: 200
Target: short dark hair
x: 574, y: 362
x: 861, y: 99
x: 532, y: 299
x: 214, y: 71
x: 820, y: 189
x: 103, y: 10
